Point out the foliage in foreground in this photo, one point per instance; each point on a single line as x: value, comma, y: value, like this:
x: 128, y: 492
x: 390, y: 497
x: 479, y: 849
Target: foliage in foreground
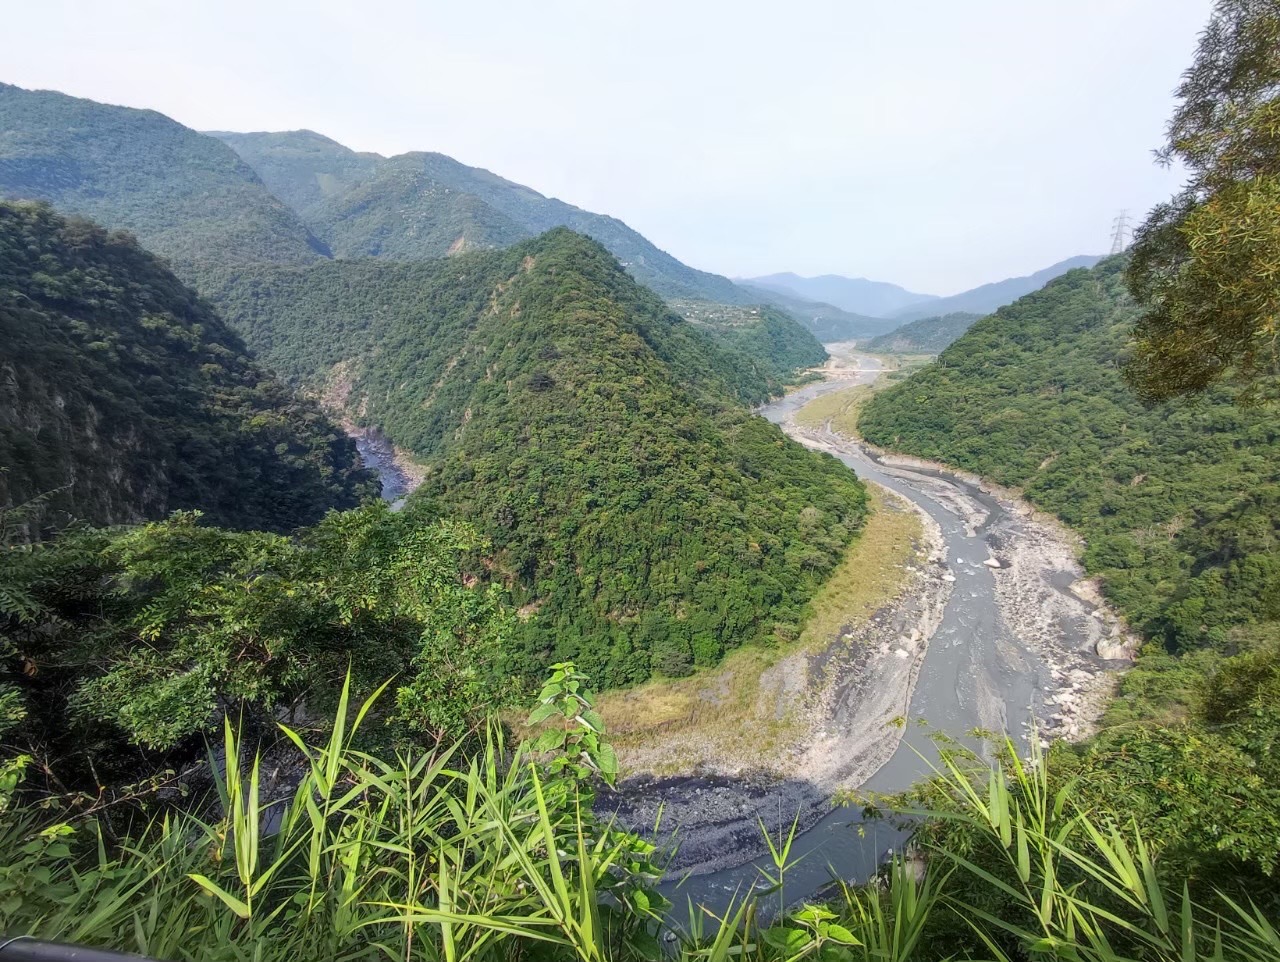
x: 120, y: 649
x: 495, y: 854
x: 1206, y: 264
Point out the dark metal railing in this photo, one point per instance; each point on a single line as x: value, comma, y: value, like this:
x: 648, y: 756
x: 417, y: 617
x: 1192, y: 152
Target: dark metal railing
x: 23, y: 948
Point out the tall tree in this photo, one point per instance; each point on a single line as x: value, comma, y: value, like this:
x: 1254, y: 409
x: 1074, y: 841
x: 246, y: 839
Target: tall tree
x: 1207, y: 263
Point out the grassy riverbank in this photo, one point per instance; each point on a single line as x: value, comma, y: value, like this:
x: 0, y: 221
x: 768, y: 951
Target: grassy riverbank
x: 842, y: 407
x: 749, y: 710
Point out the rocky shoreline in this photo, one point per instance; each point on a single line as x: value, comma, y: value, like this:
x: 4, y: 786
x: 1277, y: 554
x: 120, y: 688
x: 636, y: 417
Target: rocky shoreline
x: 862, y: 682
x: 851, y: 695
x: 399, y: 474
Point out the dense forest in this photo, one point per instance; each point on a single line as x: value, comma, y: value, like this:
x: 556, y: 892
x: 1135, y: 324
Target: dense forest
x: 764, y: 341
x: 295, y: 744
x: 124, y: 397
x: 186, y: 196
x: 421, y: 205
x: 929, y: 335
x: 1179, y: 503
x: 643, y: 520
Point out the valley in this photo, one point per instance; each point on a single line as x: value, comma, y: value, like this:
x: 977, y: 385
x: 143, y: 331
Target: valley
x: 401, y: 562
x: 955, y: 644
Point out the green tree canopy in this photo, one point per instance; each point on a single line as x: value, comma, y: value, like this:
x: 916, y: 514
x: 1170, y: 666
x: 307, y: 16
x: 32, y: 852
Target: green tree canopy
x: 1207, y: 263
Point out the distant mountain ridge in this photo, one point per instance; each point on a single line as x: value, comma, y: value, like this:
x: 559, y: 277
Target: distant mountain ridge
x: 854, y: 294
x: 185, y: 196
x: 289, y: 198
x: 827, y: 322
x: 879, y: 302
x: 991, y: 297
x: 422, y: 204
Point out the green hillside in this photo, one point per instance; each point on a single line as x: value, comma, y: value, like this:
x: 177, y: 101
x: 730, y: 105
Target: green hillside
x: 929, y: 335
x: 1179, y: 503
x: 124, y: 397
x: 186, y: 196
x: 419, y: 205
x: 641, y: 517
x: 768, y: 340
x: 826, y: 322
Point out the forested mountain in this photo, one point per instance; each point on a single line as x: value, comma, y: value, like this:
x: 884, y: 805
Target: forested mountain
x: 987, y: 298
x: 929, y: 335
x: 186, y: 196
x: 854, y: 294
x: 827, y: 322
x: 1179, y: 503
x: 123, y: 396
x: 419, y: 205
x: 642, y: 518
x: 768, y: 341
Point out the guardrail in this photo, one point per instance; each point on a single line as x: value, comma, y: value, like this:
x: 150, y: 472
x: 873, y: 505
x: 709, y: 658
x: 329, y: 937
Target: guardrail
x: 24, y: 948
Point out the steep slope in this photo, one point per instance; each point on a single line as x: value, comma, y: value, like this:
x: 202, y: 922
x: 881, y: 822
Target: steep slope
x: 768, y: 341
x: 1179, y: 504
x: 186, y: 196
x: 929, y: 335
x: 421, y: 205
x: 854, y: 294
x: 642, y: 518
x: 827, y: 322
x: 123, y: 397
x: 987, y: 298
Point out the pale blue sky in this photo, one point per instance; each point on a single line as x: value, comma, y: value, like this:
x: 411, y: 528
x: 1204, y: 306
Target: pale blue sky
x: 937, y: 144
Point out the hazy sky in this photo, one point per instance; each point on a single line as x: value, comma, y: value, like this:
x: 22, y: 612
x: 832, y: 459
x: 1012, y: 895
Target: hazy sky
x: 938, y: 144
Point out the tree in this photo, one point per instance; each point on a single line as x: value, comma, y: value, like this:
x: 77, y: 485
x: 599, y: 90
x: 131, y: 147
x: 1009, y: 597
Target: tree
x: 1207, y: 263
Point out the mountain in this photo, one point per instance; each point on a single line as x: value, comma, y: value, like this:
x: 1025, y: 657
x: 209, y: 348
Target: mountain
x: 185, y: 196
x: 854, y: 294
x: 124, y: 397
x: 1179, y: 504
x: 640, y: 517
x: 929, y: 335
x: 987, y: 298
x: 827, y: 322
x: 769, y: 342
x: 422, y: 205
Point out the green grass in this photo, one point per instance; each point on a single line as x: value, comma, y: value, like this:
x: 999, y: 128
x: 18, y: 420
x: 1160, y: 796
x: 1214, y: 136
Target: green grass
x: 735, y: 711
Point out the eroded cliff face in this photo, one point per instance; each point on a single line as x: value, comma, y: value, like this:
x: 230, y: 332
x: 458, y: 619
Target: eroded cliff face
x: 124, y: 397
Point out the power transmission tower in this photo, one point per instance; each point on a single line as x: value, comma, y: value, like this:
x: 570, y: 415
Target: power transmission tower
x: 1120, y: 232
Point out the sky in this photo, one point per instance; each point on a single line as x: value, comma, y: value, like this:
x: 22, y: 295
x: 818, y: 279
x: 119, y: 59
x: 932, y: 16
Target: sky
x: 937, y: 144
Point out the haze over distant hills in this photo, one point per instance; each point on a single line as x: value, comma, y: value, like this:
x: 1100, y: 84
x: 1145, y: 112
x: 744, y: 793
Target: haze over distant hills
x: 991, y: 297
x: 423, y: 204
x: 289, y: 198
x: 888, y: 305
x: 827, y: 322
x: 184, y: 195
x: 854, y: 294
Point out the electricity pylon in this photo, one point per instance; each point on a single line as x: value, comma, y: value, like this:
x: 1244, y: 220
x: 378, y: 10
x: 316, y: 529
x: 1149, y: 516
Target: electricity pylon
x: 1120, y: 232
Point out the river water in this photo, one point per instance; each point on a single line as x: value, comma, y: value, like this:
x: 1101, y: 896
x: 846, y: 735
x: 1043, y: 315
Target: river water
x: 976, y: 674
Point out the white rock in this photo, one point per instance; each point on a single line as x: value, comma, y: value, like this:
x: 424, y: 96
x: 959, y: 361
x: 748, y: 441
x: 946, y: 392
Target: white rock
x: 992, y: 563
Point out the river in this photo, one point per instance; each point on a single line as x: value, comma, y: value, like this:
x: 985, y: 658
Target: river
x: 1015, y: 647
x: 989, y: 665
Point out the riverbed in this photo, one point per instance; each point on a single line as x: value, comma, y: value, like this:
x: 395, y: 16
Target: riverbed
x: 1015, y: 651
